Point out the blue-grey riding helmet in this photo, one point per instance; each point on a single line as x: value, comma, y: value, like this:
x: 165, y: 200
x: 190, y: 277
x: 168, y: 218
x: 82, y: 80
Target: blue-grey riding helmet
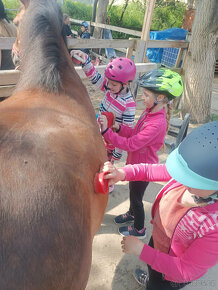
x: 194, y: 163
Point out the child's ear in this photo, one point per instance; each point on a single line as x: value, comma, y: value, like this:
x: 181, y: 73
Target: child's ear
x: 160, y: 97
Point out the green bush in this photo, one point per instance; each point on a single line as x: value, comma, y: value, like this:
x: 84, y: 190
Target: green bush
x: 166, y: 15
x: 129, y: 20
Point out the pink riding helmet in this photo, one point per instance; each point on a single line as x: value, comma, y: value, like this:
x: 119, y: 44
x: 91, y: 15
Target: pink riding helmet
x: 121, y: 69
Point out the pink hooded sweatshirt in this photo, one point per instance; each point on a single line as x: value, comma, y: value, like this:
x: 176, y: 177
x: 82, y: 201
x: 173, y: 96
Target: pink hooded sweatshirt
x: 194, y: 243
x: 144, y: 140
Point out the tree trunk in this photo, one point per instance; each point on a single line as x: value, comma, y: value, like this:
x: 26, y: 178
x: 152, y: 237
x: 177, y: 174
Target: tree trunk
x: 124, y: 9
x: 101, y: 17
x: 199, y: 62
x: 93, y: 15
x: 111, y: 4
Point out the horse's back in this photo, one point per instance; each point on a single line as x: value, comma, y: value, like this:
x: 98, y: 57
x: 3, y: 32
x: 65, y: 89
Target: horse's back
x: 49, y: 154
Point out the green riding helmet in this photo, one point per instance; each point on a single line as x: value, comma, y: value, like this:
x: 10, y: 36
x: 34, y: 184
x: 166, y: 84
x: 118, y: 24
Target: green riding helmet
x: 164, y: 81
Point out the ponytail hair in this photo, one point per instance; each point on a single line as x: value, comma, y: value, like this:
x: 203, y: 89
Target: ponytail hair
x: 168, y: 115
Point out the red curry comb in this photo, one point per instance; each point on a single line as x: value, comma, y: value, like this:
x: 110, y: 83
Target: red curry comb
x: 77, y: 59
x: 110, y: 118
x: 101, y: 184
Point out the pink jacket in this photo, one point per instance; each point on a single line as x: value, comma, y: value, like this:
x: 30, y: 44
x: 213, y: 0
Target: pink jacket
x: 194, y: 244
x: 144, y: 140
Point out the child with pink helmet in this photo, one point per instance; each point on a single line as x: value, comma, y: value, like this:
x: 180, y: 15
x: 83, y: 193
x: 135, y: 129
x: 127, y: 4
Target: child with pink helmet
x: 118, y: 98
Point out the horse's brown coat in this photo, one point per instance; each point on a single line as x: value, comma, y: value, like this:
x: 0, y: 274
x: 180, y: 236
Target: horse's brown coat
x: 50, y: 150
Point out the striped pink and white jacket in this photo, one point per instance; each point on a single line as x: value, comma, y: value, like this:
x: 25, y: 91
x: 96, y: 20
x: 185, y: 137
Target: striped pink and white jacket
x: 194, y: 244
x: 123, y: 106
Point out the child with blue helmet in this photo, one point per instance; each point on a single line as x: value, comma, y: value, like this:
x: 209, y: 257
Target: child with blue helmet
x: 184, y: 240
x: 84, y: 33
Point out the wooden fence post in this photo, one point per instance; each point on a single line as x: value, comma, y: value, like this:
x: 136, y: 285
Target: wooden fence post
x: 147, y: 24
x: 139, y: 57
x: 129, y: 51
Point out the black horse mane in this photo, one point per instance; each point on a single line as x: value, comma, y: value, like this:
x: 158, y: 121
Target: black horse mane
x: 41, y: 41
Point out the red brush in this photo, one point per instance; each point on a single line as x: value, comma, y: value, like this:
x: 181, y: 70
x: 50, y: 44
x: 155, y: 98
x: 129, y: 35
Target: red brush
x: 77, y: 59
x: 101, y: 184
x: 110, y: 118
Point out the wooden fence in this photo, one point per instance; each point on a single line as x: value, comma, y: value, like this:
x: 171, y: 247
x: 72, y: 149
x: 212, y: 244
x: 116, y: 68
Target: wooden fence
x: 9, y: 78
x: 131, y: 45
x: 183, y: 45
x: 136, y: 46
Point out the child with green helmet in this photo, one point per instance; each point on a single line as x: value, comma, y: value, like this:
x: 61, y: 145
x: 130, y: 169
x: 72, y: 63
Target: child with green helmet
x: 184, y: 240
x: 144, y: 140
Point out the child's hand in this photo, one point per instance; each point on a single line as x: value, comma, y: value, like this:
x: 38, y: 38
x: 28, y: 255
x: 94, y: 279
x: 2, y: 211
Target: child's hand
x: 102, y: 119
x: 116, y: 127
x: 132, y: 245
x: 78, y: 56
x: 113, y: 174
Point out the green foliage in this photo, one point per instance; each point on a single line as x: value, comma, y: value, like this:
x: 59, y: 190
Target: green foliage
x: 214, y: 117
x: 168, y: 16
x: 129, y: 19
x: 11, y: 4
x: 78, y: 11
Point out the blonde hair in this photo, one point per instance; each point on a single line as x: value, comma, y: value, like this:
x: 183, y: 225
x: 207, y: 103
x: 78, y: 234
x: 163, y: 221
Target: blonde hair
x: 168, y: 115
x: 169, y: 109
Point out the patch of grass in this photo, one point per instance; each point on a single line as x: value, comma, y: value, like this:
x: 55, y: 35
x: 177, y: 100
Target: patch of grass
x: 214, y: 117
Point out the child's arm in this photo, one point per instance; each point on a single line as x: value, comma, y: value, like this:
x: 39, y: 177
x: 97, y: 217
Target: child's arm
x: 95, y: 77
x: 136, y: 172
x: 146, y: 172
x: 135, y: 142
x: 192, y: 264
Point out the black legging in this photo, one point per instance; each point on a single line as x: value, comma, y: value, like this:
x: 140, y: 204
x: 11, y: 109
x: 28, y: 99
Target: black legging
x: 156, y: 280
x: 136, y: 191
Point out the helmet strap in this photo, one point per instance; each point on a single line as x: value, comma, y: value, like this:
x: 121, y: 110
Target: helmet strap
x: 122, y: 87
x: 156, y: 102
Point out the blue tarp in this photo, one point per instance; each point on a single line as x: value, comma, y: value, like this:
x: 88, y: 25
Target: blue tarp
x: 155, y: 54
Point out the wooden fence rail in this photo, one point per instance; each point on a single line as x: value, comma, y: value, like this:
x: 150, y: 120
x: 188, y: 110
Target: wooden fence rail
x: 110, y: 27
x: 7, y: 42
x: 9, y: 78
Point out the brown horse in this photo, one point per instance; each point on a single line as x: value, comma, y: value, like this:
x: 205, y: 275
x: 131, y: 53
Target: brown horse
x: 50, y: 150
